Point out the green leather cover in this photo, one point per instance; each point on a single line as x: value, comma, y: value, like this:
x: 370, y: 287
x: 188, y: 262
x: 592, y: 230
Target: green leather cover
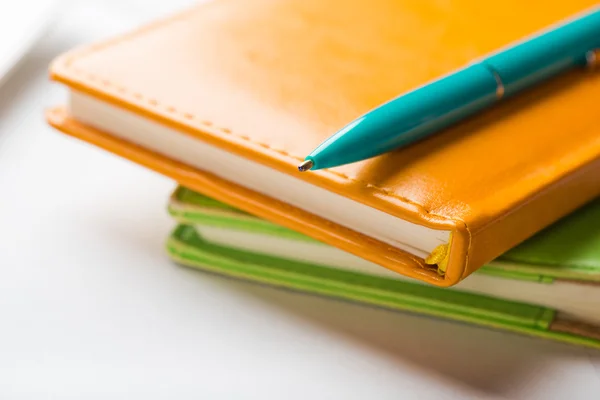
x: 568, y: 250
x: 186, y: 247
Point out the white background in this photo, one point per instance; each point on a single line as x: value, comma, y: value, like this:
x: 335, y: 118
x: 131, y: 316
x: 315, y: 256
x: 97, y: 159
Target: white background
x: 91, y: 308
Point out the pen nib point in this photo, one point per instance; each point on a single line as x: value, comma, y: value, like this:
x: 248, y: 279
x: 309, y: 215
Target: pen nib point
x: 305, y: 166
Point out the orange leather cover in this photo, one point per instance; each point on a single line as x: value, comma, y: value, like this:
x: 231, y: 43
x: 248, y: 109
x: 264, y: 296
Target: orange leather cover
x: 271, y: 79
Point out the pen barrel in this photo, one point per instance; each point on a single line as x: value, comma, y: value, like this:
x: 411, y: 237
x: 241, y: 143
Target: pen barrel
x: 546, y: 54
x: 410, y: 117
x: 438, y: 104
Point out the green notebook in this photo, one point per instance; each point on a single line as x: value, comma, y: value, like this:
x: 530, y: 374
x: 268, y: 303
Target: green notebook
x: 548, y: 286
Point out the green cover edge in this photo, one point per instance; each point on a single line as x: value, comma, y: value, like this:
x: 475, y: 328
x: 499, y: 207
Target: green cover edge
x: 186, y: 248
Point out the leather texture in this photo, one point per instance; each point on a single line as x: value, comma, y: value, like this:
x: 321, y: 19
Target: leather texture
x: 271, y: 79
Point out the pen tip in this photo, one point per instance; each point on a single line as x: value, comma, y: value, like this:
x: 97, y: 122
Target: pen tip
x: 305, y: 166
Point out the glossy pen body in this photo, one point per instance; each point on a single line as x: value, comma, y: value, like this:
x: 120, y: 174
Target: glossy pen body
x: 443, y: 102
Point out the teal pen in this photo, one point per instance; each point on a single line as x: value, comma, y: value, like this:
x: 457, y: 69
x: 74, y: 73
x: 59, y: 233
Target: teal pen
x: 436, y: 105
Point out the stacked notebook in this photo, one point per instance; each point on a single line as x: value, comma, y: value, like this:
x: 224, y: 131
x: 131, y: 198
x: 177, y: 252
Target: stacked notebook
x: 226, y: 98
x: 549, y: 286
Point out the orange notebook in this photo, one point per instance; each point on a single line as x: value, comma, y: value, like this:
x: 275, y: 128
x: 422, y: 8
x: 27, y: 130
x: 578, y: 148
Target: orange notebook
x: 228, y: 97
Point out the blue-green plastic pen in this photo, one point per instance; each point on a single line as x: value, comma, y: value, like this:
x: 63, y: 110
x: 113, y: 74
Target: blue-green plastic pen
x: 436, y: 105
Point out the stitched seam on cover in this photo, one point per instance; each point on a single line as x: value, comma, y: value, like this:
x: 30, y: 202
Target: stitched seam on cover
x: 468, y: 244
x: 154, y: 103
x: 191, y: 117
x: 536, y: 260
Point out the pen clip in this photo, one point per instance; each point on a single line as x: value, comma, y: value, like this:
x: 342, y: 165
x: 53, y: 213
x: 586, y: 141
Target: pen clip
x: 592, y: 58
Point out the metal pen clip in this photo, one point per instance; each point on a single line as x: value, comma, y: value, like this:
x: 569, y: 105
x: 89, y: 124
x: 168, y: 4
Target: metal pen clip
x: 593, y: 58
x: 499, y: 85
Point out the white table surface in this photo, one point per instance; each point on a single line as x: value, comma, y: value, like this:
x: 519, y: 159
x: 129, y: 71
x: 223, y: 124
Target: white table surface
x: 91, y: 308
x: 20, y: 28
